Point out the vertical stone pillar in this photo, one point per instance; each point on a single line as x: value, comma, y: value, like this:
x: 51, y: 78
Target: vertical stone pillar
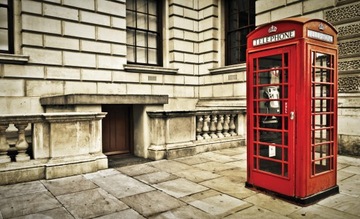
x: 226, y: 126
x: 199, y: 126
x: 219, y: 126
x: 4, y: 146
x: 21, y: 144
x: 232, y: 125
x: 206, y: 127
x: 213, y: 126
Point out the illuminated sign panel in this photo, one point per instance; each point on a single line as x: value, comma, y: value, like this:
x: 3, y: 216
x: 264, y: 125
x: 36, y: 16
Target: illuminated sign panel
x: 320, y: 36
x: 274, y: 38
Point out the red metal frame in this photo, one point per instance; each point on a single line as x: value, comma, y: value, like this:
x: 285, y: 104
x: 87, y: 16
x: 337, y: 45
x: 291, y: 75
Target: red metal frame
x: 302, y: 134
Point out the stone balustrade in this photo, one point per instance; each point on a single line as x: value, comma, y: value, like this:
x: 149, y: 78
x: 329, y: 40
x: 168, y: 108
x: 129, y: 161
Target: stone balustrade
x: 182, y: 133
x: 214, y: 125
x: 49, y: 145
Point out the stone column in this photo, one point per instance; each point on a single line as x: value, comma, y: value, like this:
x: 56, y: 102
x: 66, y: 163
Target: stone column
x: 199, y: 126
x: 219, y: 126
x: 4, y: 146
x: 206, y: 127
x: 213, y: 126
x: 21, y: 144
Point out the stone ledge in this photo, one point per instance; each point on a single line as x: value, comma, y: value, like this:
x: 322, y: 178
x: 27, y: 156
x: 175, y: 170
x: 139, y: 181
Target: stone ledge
x: 13, y: 59
x: 98, y: 99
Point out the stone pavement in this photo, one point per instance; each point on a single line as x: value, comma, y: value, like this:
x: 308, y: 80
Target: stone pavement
x: 208, y: 185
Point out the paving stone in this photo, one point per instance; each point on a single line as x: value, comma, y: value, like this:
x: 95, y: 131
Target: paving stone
x: 341, y: 202
x: 256, y: 212
x: 185, y: 212
x: 217, y: 157
x: 21, y: 189
x: 101, y: 173
x: 232, y: 151
x: 27, y: 204
x: 341, y: 175
x: 225, y: 185
x: 200, y: 195
x: 341, y: 166
x: 272, y: 204
x: 120, y: 185
x: 128, y: 213
x: 170, y: 166
x: 57, y: 213
x: 353, y: 161
x: 197, y: 175
x: 136, y: 170
x: 156, y: 177
x: 214, y: 166
x: 192, y: 160
x: 350, y: 186
x: 91, y: 203
x: 352, y: 169
x: 220, y: 205
x: 237, y: 175
x: 68, y: 185
x: 152, y: 203
x: 320, y: 212
x: 180, y: 187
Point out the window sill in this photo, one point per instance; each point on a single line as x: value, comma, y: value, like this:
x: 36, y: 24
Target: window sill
x: 13, y: 59
x: 150, y: 69
x: 228, y: 69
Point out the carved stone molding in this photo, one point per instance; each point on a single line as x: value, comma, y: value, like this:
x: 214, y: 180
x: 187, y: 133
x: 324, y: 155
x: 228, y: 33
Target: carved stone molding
x: 349, y: 65
x: 348, y: 30
x: 349, y: 48
x: 342, y: 14
x: 349, y: 84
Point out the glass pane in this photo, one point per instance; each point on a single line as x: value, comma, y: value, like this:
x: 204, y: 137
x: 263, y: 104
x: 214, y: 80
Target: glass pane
x: 271, y: 137
x: 141, y: 5
x: 270, y: 166
x: 152, y: 41
x: 3, y: 18
x: 153, y: 23
x: 271, y: 151
x: 152, y: 7
x: 130, y: 37
x: 322, y: 165
x: 4, y: 42
x: 152, y: 56
x: 270, y: 62
x: 141, y: 38
x: 142, y: 21
x: 130, y: 54
x: 130, y: 4
x: 130, y: 19
x: 141, y: 55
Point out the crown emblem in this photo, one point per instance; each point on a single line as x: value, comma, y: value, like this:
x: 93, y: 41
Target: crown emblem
x: 272, y: 29
x: 321, y: 26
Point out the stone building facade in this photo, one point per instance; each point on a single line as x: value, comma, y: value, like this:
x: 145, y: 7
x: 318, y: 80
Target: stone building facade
x: 156, y: 80
x: 345, y: 16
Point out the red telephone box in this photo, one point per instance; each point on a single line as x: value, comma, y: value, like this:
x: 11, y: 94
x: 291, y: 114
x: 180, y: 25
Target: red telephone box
x: 292, y: 109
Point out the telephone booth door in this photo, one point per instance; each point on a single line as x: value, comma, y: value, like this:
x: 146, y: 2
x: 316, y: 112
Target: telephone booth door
x: 272, y: 151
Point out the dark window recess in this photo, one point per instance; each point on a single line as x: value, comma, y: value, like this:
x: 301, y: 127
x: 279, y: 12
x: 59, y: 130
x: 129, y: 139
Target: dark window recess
x: 6, y: 26
x: 240, y: 21
x: 144, y: 32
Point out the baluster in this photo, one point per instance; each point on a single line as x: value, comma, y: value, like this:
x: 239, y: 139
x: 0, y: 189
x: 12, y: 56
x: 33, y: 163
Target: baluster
x: 199, y: 126
x: 21, y: 144
x: 219, y: 126
x: 232, y: 125
x: 226, y: 126
x: 4, y: 146
x: 206, y: 127
x: 213, y: 126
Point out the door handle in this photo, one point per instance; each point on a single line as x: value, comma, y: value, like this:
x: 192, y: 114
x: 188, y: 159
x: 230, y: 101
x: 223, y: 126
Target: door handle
x: 292, y: 115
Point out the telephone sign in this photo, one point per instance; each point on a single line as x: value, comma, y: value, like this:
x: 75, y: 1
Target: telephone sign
x: 292, y: 109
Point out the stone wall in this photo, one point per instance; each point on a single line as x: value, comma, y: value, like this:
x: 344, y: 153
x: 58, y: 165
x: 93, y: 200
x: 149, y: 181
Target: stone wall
x: 65, y: 47
x: 345, y: 16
